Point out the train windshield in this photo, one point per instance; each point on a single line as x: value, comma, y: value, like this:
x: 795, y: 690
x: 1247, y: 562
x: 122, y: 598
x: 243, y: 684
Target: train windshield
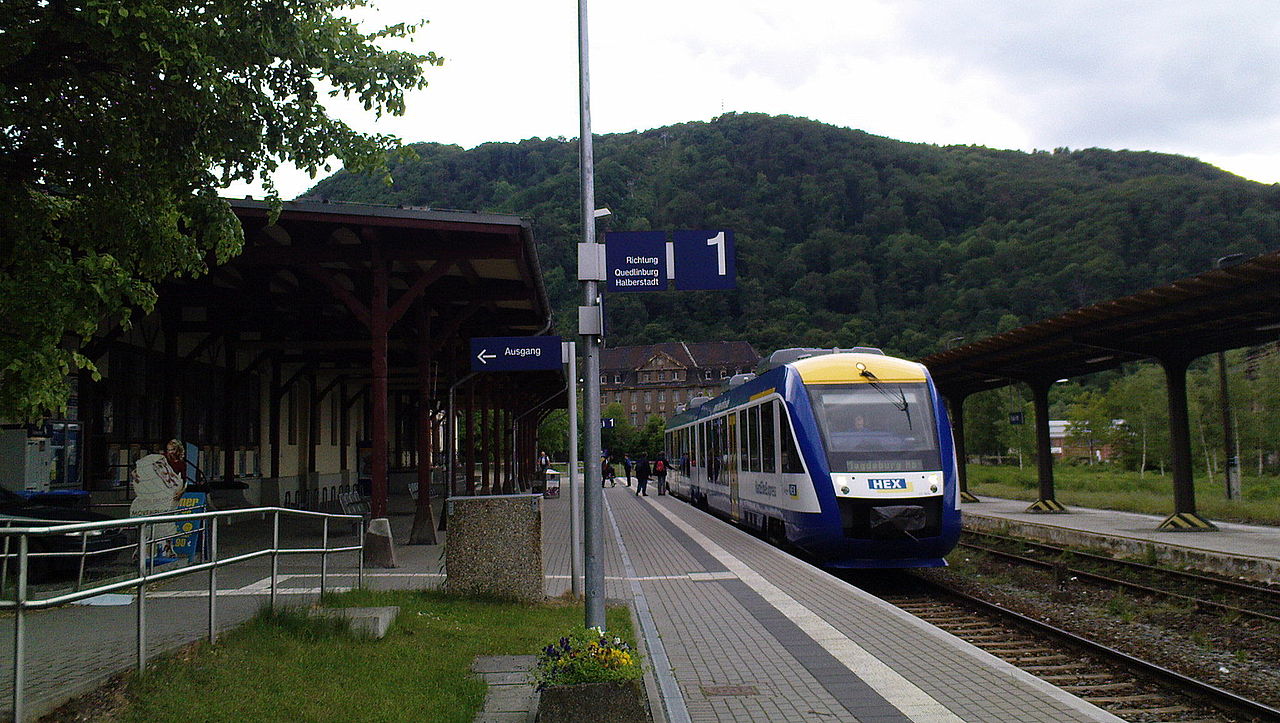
x: 877, y: 427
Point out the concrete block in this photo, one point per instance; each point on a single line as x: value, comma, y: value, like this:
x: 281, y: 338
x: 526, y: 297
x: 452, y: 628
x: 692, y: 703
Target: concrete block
x: 379, y: 547
x: 365, y: 622
x: 494, y: 546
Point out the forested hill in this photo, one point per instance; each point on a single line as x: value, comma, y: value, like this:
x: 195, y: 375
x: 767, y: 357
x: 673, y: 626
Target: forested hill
x: 846, y: 238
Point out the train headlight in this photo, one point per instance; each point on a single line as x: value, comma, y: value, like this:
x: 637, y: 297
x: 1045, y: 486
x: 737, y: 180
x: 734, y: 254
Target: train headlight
x: 933, y: 483
x: 844, y: 490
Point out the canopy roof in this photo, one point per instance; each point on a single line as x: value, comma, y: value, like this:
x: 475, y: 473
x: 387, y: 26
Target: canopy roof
x: 1213, y: 311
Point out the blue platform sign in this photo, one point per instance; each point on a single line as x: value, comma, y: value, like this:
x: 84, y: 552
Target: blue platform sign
x: 636, y: 260
x: 703, y: 260
x: 515, y: 353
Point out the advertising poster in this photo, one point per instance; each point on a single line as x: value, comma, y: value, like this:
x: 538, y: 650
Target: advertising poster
x: 189, y: 543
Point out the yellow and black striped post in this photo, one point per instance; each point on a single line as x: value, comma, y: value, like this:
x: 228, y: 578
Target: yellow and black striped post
x: 1186, y: 522
x: 1046, y: 505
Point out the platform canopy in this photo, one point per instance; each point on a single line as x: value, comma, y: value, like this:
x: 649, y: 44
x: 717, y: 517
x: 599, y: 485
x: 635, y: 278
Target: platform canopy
x: 1214, y: 311
x: 378, y: 297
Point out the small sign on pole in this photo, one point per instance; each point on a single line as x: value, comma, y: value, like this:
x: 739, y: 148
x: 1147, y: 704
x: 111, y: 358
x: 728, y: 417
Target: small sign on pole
x: 636, y: 261
x: 515, y: 353
x: 704, y: 260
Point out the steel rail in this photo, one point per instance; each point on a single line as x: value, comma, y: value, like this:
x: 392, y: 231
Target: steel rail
x: 1220, y: 582
x: 1186, y: 684
x: 1199, y: 602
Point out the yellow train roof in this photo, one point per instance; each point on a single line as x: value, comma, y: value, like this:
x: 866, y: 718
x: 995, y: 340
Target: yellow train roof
x: 843, y: 369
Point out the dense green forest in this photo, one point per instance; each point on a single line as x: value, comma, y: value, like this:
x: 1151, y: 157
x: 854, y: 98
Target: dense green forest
x: 847, y: 238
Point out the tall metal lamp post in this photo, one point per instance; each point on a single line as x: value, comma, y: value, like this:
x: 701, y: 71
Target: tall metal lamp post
x: 1231, y: 471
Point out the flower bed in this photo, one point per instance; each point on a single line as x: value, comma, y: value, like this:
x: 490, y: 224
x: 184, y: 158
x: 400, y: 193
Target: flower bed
x: 590, y: 676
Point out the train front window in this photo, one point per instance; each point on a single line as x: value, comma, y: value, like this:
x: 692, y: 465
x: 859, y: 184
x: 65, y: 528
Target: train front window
x: 881, y: 427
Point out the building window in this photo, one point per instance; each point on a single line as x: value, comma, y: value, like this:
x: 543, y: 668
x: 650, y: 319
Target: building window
x: 604, y: 379
x: 617, y: 378
x: 707, y: 375
x: 662, y: 396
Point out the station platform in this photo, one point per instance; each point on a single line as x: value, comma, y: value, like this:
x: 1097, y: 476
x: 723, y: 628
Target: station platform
x: 1246, y: 551
x: 737, y: 630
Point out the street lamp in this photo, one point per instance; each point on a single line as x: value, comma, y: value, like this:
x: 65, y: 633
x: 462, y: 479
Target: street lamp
x: 1231, y: 473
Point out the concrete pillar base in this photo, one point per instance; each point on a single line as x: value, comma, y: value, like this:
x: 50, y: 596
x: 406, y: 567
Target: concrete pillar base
x: 379, y: 548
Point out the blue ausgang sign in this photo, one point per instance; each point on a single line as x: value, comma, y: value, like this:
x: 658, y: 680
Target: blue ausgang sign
x: 704, y: 260
x: 515, y: 353
x: 636, y: 260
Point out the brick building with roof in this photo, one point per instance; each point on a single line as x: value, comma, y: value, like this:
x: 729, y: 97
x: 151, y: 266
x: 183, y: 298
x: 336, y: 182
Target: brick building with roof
x: 655, y: 379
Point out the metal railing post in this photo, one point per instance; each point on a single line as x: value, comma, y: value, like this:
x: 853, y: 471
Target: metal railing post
x: 275, y: 555
x: 324, y: 558
x: 20, y: 632
x: 211, y: 552
x: 84, y: 552
x: 360, y: 574
x: 4, y: 566
x: 142, y: 597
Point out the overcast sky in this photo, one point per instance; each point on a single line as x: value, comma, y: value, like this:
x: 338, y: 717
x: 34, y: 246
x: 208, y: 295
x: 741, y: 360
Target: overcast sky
x: 1199, y: 78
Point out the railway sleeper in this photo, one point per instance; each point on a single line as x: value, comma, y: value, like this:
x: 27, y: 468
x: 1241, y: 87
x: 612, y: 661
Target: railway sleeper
x: 1095, y: 687
x: 1073, y: 678
x: 1167, y: 710
x: 1129, y: 699
x: 1039, y: 659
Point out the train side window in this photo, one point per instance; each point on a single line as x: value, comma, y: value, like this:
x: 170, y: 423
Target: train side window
x: 768, y: 423
x: 753, y: 434
x: 790, y: 455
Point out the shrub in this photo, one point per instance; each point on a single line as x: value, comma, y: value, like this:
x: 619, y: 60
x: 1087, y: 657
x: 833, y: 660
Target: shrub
x: 586, y: 656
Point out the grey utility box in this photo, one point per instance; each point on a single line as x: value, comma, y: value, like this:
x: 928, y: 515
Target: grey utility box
x: 494, y: 546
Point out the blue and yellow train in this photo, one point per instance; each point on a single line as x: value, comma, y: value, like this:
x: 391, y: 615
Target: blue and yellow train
x: 846, y: 455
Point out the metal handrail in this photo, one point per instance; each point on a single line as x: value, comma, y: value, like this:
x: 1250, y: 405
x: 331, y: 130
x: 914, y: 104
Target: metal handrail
x: 146, y: 573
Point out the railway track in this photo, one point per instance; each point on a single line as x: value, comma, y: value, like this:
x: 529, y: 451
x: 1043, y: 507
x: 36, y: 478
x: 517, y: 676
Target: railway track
x: 1127, y: 687
x: 1207, y: 593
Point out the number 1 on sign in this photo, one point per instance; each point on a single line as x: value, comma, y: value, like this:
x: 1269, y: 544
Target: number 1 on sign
x: 718, y: 242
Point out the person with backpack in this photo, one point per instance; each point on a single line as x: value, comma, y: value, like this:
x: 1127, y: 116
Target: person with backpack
x: 660, y: 471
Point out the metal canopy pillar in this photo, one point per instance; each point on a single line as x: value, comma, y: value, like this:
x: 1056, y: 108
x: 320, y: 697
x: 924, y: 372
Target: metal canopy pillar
x: 956, y: 404
x: 1044, y: 453
x: 424, y: 527
x: 1184, y: 517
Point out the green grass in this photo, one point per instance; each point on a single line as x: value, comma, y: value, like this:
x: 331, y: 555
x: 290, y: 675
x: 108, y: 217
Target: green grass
x: 288, y: 667
x: 1110, y: 488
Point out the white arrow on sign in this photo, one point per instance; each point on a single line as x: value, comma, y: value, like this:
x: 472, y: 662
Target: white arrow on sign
x: 484, y: 356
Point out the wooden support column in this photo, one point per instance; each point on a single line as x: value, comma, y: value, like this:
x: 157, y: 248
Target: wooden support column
x: 313, y: 437
x: 1044, y: 455
x: 468, y: 413
x: 230, y: 404
x: 344, y: 427
x: 379, y: 328
x: 1184, y: 517
x: 273, y: 421
x: 955, y: 403
x: 504, y: 434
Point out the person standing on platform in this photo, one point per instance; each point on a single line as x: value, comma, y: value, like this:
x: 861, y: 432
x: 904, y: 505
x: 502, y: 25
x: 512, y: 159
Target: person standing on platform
x: 626, y: 469
x: 606, y: 473
x: 660, y: 471
x: 642, y: 477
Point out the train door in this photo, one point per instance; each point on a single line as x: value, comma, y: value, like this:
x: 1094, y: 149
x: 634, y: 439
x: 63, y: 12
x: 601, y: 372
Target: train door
x: 731, y: 467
